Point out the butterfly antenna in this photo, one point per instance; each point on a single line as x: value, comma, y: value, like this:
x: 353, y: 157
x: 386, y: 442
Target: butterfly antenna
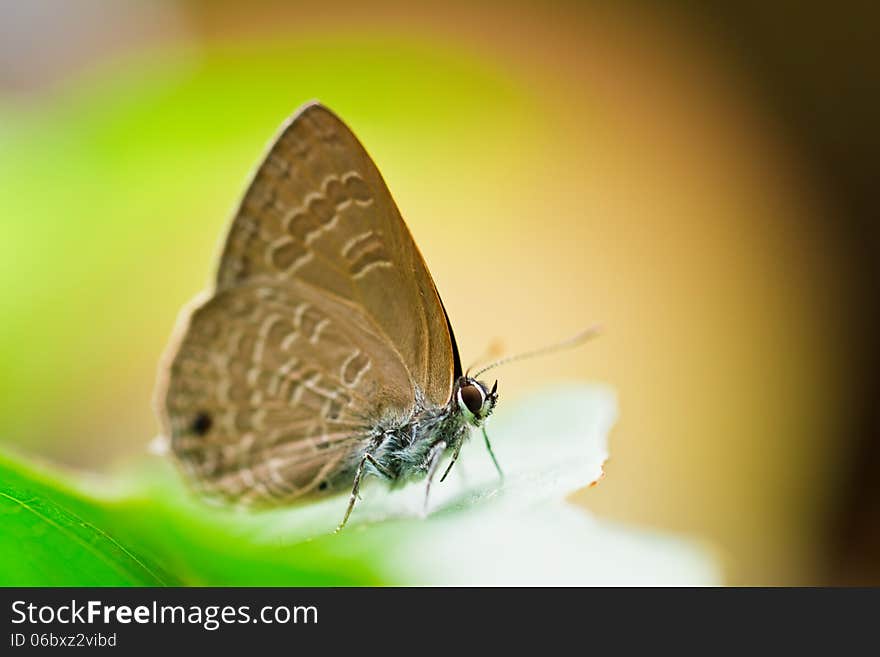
x: 578, y: 339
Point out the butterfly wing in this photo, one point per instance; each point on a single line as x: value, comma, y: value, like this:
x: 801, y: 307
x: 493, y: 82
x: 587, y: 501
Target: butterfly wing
x: 324, y: 320
x: 318, y: 210
x: 271, y: 386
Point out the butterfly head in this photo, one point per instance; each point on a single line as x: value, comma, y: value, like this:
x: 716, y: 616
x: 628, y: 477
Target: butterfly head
x: 474, y: 399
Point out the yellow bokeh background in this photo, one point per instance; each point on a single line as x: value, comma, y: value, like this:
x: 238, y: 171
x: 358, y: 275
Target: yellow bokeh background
x: 558, y: 165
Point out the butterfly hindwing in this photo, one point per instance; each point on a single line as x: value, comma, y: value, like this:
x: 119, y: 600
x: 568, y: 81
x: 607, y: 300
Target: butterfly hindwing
x: 271, y: 388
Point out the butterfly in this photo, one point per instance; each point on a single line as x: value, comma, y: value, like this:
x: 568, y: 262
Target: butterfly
x: 323, y: 354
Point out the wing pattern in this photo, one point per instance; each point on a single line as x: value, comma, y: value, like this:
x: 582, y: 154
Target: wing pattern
x: 323, y: 322
x: 318, y: 210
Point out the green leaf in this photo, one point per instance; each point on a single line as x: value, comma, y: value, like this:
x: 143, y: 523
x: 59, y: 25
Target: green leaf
x: 50, y: 538
x: 144, y: 528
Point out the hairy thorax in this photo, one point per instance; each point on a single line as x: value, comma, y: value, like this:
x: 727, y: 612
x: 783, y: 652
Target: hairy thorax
x: 403, y: 448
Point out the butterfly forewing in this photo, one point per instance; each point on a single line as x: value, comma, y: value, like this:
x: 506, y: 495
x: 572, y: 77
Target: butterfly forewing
x: 323, y: 323
x: 318, y: 210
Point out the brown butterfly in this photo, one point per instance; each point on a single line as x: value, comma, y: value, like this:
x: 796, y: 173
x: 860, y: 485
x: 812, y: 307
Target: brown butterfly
x: 323, y: 353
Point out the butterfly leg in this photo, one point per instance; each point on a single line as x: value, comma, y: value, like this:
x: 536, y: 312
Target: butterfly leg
x: 381, y: 469
x: 451, y: 463
x: 433, y: 462
x: 355, y: 489
x: 491, y: 453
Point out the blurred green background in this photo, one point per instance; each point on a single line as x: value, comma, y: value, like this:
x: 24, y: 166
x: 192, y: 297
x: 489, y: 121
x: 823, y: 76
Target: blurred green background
x: 636, y: 164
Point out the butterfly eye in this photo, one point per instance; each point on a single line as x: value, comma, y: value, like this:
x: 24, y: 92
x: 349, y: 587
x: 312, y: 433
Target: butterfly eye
x: 472, y: 397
